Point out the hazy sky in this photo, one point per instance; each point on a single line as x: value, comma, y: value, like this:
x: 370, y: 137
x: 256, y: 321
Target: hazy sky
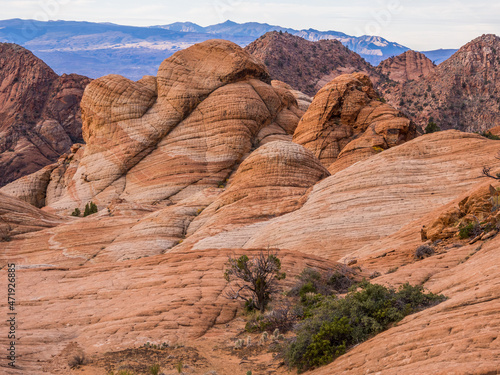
x: 418, y: 24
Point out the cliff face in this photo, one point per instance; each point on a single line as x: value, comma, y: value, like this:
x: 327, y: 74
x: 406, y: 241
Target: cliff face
x: 461, y: 93
x: 408, y: 66
x: 39, y: 112
x: 306, y: 66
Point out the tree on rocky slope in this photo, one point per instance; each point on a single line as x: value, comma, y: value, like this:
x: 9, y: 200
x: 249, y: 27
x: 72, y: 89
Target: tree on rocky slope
x: 255, y: 280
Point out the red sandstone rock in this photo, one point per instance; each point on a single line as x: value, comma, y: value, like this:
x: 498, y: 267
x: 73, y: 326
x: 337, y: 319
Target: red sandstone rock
x: 39, y: 112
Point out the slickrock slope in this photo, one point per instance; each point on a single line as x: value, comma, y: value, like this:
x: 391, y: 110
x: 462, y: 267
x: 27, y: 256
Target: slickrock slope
x: 273, y: 181
x: 373, y: 198
x: 347, y: 121
x: 306, y: 66
x: 459, y: 336
x: 408, y: 66
x: 39, y: 112
x: 461, y: 93
x: 164, y: 138
x: 198, y: 164
x: 18, y: 217
x: 173, y: 298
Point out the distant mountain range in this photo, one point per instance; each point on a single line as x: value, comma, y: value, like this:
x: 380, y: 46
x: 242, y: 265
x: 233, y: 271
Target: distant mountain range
x: 97, y: 49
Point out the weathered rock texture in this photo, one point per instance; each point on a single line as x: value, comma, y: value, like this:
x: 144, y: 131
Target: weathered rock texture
x: 306, y: 66
x: 171, y: 298
x: 273, y: 181
x: 371, y: 199
x: 347, y: 121
x: 459, y: 336
x: 18, y: 217
x: 303, y: 100
x: 198, y: 164
x: 461, y: 93
x: 408, y: 66
x: 164, y: 138
x: 39, y: 112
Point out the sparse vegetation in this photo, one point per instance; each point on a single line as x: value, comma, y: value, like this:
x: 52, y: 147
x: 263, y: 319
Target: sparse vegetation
x: 90, y: 208
x: 254, y: 281
x: 489, y: 135
x: 282, y: 317
x: 473, y: 229
x: 77, y: 361
x: 392, y: 270
x: 424, y: 251
x: 155, y: 369
x: 179, y: 366
x: 334, y: 325
x: 76, y: 212
x: 432, y: 127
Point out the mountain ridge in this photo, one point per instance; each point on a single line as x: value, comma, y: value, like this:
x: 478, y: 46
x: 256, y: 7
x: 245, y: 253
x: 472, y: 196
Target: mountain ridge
x: 98, y: 49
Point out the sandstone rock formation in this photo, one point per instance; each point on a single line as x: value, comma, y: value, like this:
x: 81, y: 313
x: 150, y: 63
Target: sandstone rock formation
x: 39, y: 112
x: 372, y: 199
x: 306, y: 66
x: 303, y: 100
x: 408, y: 66
x: 199, y: 164
x: 273, y: 181
x: 18, y: 217
x: 461, y: 93
x: 347, y: 121
x: 189, y: 118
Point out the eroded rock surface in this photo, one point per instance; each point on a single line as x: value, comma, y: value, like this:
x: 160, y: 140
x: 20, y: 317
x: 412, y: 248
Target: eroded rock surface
x: 347, y: 120
x: 39, y: 112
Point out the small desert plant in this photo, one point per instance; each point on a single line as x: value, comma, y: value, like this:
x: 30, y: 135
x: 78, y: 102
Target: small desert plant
x: 276, y: 333
x: 77, y: 361
x: 238, y: 344
x: 90, y: 208
x: 249, y: 372
x: 179, y: 366
x: 76, y: 212
x: 392, y: 270
x: 489, y: 135
x: 282, y: 317
x: 155, y: 369
x: 472, y: 229
x: 423, y: 251
x: 432, y: 127
x: 263, y: 338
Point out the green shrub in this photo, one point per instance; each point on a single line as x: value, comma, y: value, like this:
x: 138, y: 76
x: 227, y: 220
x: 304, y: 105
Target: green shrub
x: 312, y: 281
x: 489, y: 135
x: 76, y: 212
x: 470, y: 230
x: 77, y: 361
x: 155, y: 369
x: 90, y: 208
x: 432, y: 127
x: 179, y: 366
x: 336, y: 324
